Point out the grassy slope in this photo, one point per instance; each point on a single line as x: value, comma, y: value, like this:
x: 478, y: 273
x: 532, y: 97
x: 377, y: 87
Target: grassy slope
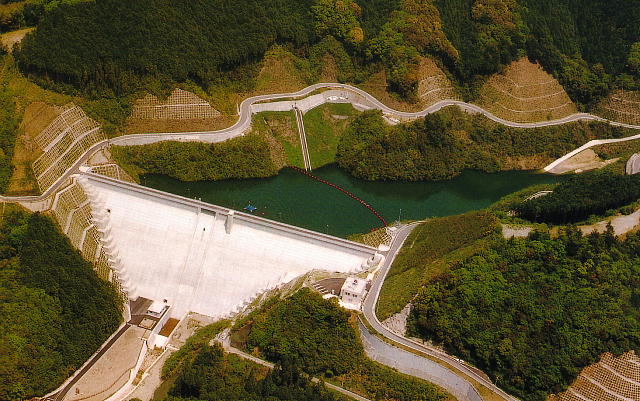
x: 280, y: 131
x: 324, y: 131
x: 430, y: 250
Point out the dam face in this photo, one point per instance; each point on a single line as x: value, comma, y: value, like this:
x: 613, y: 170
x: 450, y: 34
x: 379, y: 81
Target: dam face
x: 204, y: 258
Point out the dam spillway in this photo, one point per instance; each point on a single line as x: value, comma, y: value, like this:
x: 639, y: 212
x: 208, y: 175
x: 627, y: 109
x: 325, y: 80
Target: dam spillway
x: 203, y: 258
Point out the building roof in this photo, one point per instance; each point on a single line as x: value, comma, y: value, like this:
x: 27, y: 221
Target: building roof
x: 355, y: 285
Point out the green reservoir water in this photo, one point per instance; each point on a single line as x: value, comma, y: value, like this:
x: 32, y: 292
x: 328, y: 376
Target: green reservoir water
x: 296, y: 199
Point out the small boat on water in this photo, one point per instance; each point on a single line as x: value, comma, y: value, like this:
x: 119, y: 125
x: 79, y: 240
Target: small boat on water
x: 250, y: 208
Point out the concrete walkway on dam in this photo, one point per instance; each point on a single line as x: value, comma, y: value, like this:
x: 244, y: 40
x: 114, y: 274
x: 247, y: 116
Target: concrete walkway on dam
x: 206, y: 259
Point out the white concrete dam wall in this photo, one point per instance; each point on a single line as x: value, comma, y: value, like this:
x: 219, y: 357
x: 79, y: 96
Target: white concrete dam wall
x: 183, y: 254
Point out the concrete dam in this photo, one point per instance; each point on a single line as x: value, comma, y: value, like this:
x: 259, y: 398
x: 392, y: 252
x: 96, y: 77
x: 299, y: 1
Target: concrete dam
x: 190, y: 255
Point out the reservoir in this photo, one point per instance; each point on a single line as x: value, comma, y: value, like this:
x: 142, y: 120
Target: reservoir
x: 293, y: 198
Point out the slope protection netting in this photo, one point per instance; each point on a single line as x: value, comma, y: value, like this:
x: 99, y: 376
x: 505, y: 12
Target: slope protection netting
x: 63, y: 142
x: 610, y: 379
x: 180, y: 105
x: 621, y: 106
x: 524, y: 92
x: 69, y: 116
x: 112, y: 170
x: 435, y: 86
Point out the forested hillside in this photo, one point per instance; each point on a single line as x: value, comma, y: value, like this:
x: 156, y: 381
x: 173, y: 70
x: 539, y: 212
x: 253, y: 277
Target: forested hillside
x: 581, y: 196
x: 317, y: 336
x: 116, y: 46
x: 201, y: 370
x: 532, y: 312
x: 55, y: 310
x: 242, y: 157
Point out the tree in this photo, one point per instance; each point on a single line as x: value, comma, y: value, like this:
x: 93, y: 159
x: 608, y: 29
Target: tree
x: 634, y: 58
x: 338, y: 18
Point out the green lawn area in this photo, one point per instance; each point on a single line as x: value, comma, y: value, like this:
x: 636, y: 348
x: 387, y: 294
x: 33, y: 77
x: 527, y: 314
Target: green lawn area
x: 430, y: 249
x: 324, y: 126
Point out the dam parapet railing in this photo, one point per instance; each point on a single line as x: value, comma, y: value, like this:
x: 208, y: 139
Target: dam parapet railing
x: 226, y: 212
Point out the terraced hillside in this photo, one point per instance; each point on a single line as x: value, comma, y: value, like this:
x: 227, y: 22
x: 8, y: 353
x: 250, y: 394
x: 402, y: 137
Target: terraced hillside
x: 622, y: 106
x: 434, y: 85
x: 524, y: 92
x: 610, y: 379
x: 182, y: 111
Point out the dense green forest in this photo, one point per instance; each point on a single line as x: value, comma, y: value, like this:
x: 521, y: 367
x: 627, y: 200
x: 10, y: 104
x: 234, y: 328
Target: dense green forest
x: 55, y: 310
x: 444, y: 144
x: 115, y: 46
x: 199, y: 370
x: 317, y: 336
x: 581, y: 196
x: 243, y: 157
x: 8, y: 127
x: 533, y: 312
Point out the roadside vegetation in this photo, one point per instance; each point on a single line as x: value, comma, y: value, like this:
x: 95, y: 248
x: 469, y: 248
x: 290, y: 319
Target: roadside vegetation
x: 243, y: 157
x: 213, y: 375
x: 56, y: 312
x: 430, y: 250
x: 321, y: 339
x: 532, y: 312
x: 443, y: 144
x: 574, y: 200
x: 201, y: 369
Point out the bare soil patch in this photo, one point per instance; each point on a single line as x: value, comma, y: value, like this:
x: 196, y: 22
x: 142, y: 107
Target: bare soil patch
x: 434, y: 85
x: 329, y: 71
x: 583, y: 161
x: 9, y: 39
x: 278, y: 74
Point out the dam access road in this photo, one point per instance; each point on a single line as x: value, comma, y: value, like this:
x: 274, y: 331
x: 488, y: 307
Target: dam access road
x: 404, y: 364
x: 305, y: 100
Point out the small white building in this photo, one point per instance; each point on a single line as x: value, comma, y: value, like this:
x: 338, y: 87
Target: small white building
x: 352, y: 292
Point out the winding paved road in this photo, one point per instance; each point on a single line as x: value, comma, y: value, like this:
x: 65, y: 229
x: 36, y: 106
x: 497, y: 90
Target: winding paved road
x: 369, y: 307
x: 244, y: 121
x: 346, y: 93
